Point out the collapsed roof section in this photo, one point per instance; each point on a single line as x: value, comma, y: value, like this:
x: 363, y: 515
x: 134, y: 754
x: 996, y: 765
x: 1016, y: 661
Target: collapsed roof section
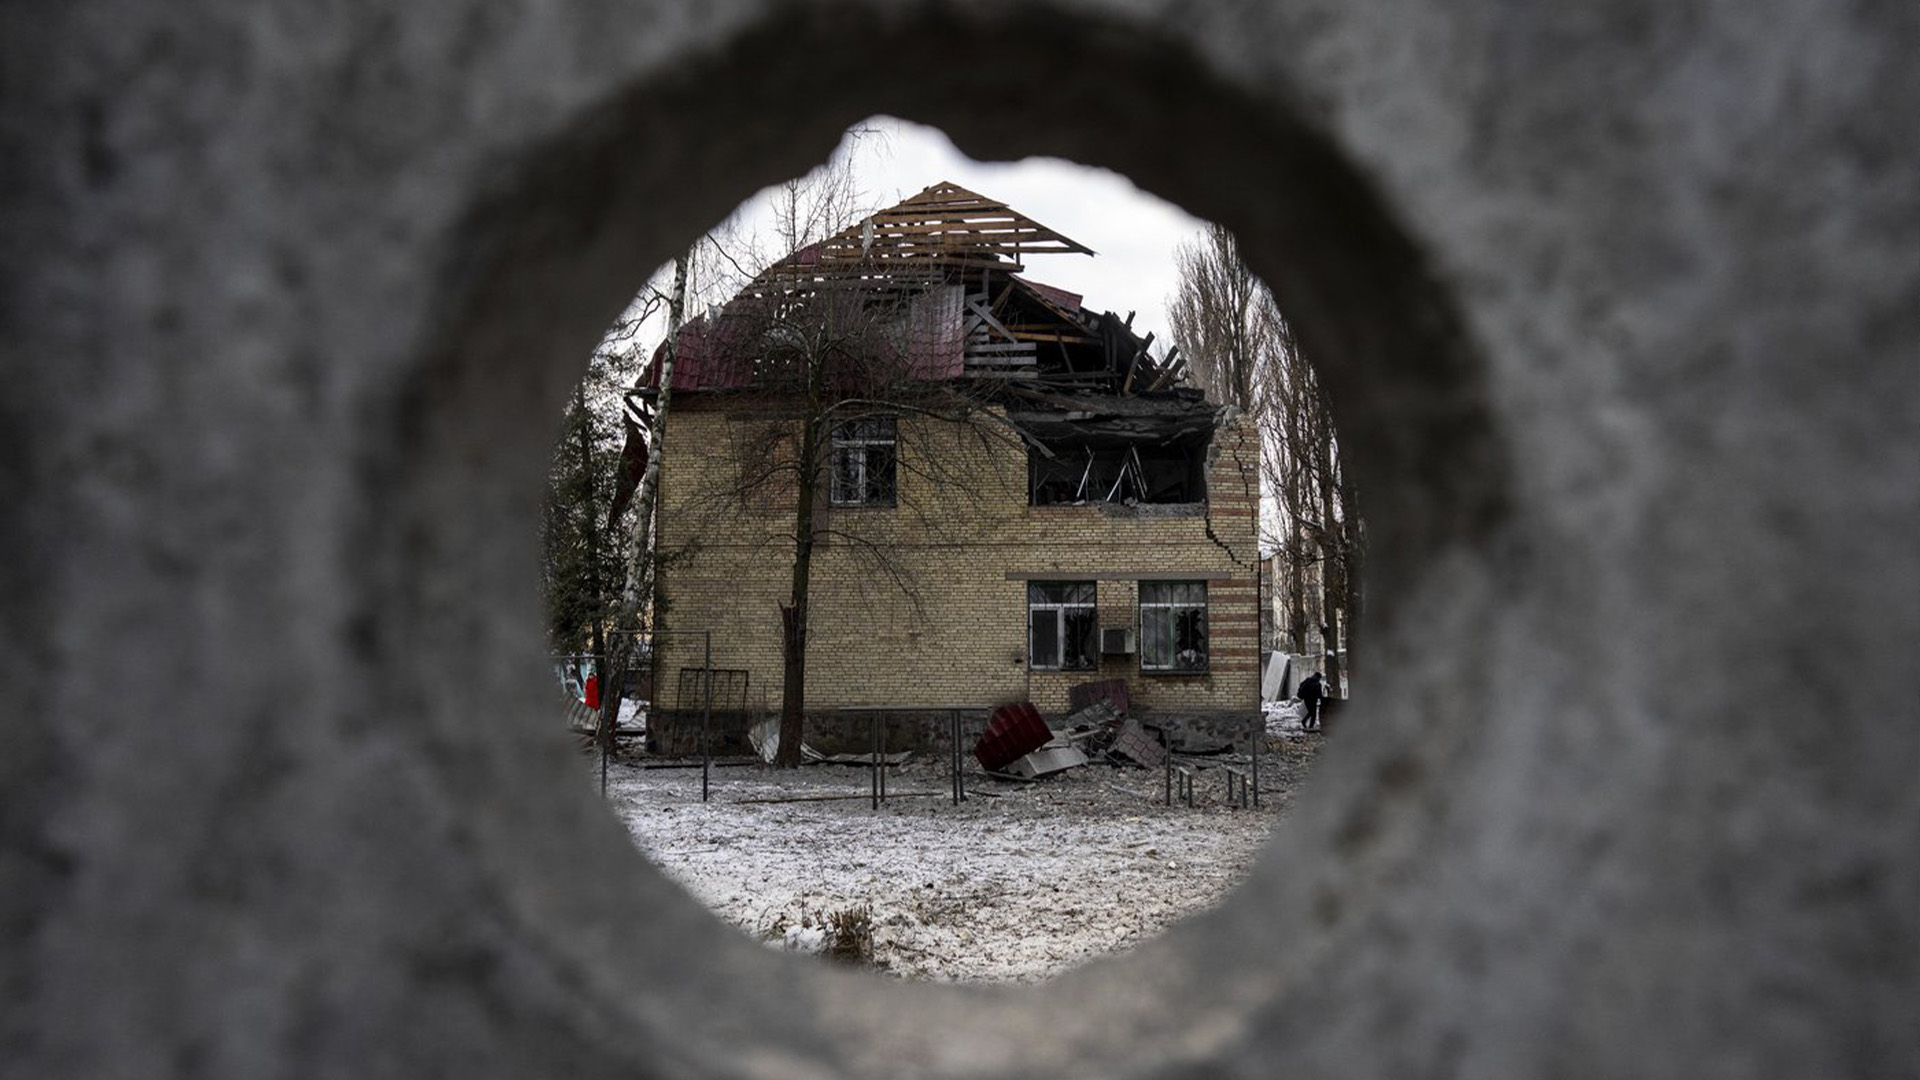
x: 933, y: 290
x: 1115, y: 448
x: 939, y: 278
x: 930, y: 239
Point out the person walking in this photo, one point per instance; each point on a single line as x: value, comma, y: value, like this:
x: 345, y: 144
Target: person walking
x: 1311, y: 691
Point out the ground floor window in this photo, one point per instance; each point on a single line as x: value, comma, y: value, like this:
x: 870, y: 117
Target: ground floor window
x: 1173, y: 626
x: 1063, y: 632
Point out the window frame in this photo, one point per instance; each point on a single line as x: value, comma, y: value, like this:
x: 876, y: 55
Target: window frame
x: 1121, y: 471
x: 1173, y: 607
x: 1060, y: 610
x: 841, y: 440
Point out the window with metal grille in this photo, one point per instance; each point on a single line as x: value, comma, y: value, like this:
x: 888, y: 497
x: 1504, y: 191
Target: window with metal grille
x: 862, y: 462
x: 1063, y: 630
x: 1173, y: 626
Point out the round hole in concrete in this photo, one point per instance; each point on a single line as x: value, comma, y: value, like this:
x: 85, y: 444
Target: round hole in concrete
x: 1021, y: 881
x: 542, y: 266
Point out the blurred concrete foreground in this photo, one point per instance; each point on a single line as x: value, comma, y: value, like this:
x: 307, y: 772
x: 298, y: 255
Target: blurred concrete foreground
x: 1616, y: 303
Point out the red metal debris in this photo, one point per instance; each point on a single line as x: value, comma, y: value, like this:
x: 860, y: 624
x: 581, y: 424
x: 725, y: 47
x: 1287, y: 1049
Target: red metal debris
x: 1013, y: 732
x: 1062, y: 300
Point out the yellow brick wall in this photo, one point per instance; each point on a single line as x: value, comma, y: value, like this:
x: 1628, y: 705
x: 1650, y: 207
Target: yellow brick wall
x: 943, y: 616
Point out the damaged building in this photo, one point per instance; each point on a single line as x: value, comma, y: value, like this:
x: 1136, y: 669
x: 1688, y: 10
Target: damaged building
x: 1014, y: 494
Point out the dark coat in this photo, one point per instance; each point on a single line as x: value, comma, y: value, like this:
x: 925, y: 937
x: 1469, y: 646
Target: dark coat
x: 1311, y: 689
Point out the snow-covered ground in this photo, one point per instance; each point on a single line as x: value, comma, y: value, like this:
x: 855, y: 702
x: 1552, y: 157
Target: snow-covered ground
x: 1018, y: 883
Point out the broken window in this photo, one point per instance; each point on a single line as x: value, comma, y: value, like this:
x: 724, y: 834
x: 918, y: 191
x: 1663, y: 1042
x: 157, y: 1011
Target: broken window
x: 1173, y: 626
x: 1130, y: 473
x: 1063, y: 633
x: 862, y: 464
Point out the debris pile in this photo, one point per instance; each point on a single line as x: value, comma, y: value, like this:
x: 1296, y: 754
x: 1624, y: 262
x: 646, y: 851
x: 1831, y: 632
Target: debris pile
x: 1132, y: 743
x: 1057, y: 756
x: 765, y: 737
x: 1013, y: 732
x: 1019, y: 744
x: 1111, y: 691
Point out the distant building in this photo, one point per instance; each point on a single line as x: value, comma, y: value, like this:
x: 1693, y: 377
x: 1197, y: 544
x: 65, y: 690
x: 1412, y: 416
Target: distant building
x: 1287, y: 582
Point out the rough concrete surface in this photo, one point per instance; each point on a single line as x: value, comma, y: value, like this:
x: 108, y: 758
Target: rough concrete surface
x: 1617, y: 305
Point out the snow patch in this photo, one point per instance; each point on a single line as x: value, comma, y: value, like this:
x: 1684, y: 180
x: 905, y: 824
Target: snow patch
x: 1018, y: 883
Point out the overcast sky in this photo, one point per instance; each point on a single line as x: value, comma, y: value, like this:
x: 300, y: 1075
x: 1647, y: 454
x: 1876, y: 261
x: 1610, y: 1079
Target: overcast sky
x: 1133, y: 232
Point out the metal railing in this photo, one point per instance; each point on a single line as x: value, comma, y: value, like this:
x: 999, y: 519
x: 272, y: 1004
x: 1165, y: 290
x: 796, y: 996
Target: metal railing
x: 877, y: 744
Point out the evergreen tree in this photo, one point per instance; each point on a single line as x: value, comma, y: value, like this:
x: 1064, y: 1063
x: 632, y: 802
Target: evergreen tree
x: 583, y: 553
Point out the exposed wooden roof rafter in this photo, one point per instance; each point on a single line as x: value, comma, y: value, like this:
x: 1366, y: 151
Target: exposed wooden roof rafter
x: 945, y: 227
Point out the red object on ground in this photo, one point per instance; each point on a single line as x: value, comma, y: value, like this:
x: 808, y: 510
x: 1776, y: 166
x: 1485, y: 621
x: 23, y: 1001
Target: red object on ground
x: 1013, y: 732
x: 593, y: 691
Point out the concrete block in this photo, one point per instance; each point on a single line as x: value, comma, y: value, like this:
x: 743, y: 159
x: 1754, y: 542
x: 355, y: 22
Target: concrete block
x: 1614, y: 302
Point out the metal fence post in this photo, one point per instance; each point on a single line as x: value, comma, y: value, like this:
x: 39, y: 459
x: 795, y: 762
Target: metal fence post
x: 1166, y: 743
x: 706, y: 716
x: 603, y: 727
x: 603, y: 739
x: 1259, y: 736
x: 873, y: 751
x: 959, y: 758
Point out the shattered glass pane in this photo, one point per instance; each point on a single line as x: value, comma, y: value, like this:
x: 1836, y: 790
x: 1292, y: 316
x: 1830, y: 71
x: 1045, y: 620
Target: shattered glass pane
x: 1060, y: 592
x: 1156, y: 638
x: 846, y: 477
x: 1190, y: 639
x: 1119, y: 474
x: 1173, y: 592
x: 871, y: 427
x: 1045, y: 643
x: 862, y: 465
x: 1082, y: 638
x: 1064, y: 631
x: 879, y: 474
x: 1173, y: 625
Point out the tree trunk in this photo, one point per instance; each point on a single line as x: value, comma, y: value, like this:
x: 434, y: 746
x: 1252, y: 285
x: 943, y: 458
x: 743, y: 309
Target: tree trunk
x: 793, y: 614
x: 1353, y: 561
x: 640, y: 571
x: 640, y: 565
x: 602, y: 733
x: 1296, y: 508
x: 793, y: 636
x: 1330, y: 565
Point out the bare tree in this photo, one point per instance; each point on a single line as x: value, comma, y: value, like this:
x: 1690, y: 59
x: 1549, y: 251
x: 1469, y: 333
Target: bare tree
x: 596, y: 572
x: 636, y: 598
x: 582, y: 550
x: 1218, y: 316
x: 1241, y: 347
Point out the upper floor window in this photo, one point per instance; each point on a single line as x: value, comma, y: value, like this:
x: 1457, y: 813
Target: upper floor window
x: 1130, y: 473
x: 1173, y: 626
x: 862, y: 462
x: 1063, y: 633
